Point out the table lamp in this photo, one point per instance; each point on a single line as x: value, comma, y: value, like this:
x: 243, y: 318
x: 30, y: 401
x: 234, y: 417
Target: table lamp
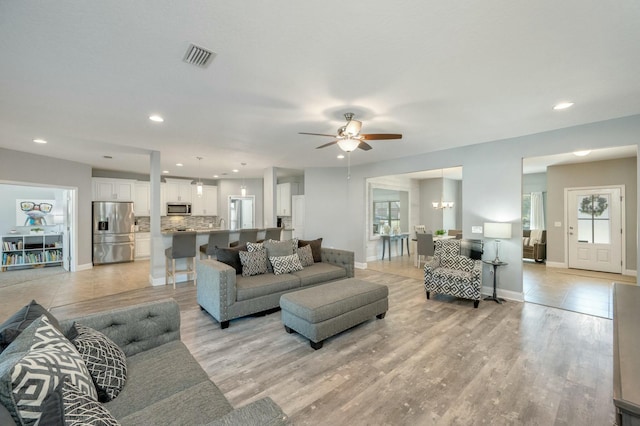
x: 498, y: 231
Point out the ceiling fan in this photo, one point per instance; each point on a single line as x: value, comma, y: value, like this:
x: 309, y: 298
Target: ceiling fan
x: 349, y: 137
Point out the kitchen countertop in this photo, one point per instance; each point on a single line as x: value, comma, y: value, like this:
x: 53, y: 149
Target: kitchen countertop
x: 207, y: 230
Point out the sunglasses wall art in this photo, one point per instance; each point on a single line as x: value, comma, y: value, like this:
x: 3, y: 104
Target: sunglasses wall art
x: 34, y: 212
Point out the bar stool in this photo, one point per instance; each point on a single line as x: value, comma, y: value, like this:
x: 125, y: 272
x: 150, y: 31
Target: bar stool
x: 248, y: 235
x: 216, y: 239
x: 183, y: 246
x: 273, y: 234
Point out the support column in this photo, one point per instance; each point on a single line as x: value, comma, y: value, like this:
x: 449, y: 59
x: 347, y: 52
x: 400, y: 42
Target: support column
x: 156, y: 273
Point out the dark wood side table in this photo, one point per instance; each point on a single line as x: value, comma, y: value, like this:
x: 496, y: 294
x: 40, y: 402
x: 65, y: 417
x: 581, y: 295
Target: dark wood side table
x: 495, y: 270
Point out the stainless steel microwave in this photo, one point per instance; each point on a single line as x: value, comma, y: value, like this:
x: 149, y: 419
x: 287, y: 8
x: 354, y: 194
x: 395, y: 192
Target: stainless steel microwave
x: 178, y: 209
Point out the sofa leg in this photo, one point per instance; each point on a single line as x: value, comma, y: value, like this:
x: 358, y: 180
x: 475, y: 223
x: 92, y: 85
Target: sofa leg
x: 476, y: 303
x: 224, y: 324
x: 381, y: 316
x: 428, y: 294
x: 316, y: 345
x: 288, y: 329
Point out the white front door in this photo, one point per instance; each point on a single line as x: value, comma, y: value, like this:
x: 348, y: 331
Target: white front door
x: 595, y: 229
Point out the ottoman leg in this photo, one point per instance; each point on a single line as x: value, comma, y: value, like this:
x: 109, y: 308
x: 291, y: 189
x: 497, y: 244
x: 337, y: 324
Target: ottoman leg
x: 288, y: 329
x: 316, y: 345
x: 380, y: 316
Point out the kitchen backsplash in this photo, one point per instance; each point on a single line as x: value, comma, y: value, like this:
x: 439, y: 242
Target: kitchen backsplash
x: 175, y: 222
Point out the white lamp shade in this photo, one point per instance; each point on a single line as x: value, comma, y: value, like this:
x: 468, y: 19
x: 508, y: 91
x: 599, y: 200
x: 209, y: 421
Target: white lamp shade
x: 348, y: 145
x: 353, y: 127
x: 497, y: 230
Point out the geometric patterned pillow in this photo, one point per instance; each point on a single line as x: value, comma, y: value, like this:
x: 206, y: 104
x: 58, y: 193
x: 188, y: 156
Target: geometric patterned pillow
x: 306, y: 255
x: 285, y: 264
x: 253, y: 263
x: 254, y: 246
x: 105, y: 361
x: 29, y: 376
x: 68, y: 406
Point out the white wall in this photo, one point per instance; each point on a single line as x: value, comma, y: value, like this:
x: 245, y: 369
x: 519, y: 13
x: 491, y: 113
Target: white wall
x: 491, y: 187
x: 38, y: 170
x: 228, y: 187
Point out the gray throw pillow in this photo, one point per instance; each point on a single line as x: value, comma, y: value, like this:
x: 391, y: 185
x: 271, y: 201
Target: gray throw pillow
x: 285, y: 264
x: 253, y: 262
x: 278, y: 248
x: 12, y: 327
x: 105, y: 361
x: 231, y: 256
x: 305, y: 255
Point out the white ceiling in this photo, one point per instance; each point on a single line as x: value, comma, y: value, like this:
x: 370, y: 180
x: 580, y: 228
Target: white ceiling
x: 86, y: 75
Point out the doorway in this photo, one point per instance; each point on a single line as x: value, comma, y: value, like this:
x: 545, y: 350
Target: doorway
x: 595, y: 228
x: 241, y: 212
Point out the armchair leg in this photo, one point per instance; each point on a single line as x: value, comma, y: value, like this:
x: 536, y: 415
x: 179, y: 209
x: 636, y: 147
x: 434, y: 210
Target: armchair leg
x: 224, y: 324
x: 476, y: 303
x: 428, y: 294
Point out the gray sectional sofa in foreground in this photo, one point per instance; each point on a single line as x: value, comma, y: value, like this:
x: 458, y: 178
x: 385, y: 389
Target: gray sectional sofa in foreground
x: 227, y: 294
x: 165, y: 385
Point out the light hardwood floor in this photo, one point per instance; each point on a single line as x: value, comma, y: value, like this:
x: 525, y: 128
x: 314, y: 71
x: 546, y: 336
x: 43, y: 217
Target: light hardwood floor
x: 428, y: 362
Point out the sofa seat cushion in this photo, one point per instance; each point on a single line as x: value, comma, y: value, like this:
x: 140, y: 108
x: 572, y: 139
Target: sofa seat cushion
x: 319, y: 273
x: 446, y: 274
x: 197, y: 405
x: 263, y: 285
x: 154, y: 375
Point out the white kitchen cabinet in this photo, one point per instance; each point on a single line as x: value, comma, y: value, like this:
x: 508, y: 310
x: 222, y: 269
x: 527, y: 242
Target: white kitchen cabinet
x: 142, y: 199
x: 107, y: 189
x: 207, y: 205
x: 143, y: 245
x: 178, y: 190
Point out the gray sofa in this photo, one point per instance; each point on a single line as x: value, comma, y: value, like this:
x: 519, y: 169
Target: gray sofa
x: 165, y: 384
x: 227, y: 296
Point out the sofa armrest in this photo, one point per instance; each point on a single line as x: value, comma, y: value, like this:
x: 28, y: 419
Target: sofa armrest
x: 476, y: 273
x: 342, y: 258
x: 135, y: 328
x: 216, y: 289
x: 263, y: 412
x: 540, y: 251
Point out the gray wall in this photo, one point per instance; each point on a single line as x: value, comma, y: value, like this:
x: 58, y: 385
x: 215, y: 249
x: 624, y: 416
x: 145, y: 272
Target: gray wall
x: 228, y: 187
x: 38, y: 170
x: 491, y: 187
x: 610, y: 172
x: 534, y: 182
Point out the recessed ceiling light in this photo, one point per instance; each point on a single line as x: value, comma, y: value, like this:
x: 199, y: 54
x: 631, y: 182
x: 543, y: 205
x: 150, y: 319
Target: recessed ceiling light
x: 156, y: 118
x: 40, y: 141
x: 235, y: 170
x: 340, y: 156
x: 179, y: 164
x: 165, y: 171
x: 562, y: 105
x: 215, y: 176
x: 581, y: 153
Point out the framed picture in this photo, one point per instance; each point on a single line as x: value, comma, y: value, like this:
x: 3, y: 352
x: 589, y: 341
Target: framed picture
x: 31, y: 212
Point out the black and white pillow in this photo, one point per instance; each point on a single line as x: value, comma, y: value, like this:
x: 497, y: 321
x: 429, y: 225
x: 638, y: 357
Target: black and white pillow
x: 306, y: 255
x: 35, y: 364
x: 254, y: 246
x: 285, y: 264
x: 105, y: 361
x: 254, y: 262
x: 67, y: 405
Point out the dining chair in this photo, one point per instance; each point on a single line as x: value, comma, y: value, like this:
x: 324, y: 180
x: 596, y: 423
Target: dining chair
x: 425, y: 246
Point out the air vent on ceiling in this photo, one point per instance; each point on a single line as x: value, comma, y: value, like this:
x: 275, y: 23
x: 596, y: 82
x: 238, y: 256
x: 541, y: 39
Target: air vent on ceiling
x: 198, y: 56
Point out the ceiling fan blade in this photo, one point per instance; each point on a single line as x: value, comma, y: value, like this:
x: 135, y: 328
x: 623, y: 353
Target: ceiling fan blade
x: 326, y: 144
x: 364, y: 146
x: 316, y: 134
x: 381, y: 136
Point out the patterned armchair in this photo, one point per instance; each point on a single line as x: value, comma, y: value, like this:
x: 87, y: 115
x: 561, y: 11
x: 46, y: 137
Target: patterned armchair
x: 450, y: 273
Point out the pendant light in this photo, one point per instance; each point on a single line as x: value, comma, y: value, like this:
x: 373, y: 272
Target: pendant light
x: 439, y: 205
x: 199, y: 182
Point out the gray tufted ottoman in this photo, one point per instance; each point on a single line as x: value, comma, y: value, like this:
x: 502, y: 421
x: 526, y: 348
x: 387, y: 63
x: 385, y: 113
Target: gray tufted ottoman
x: 323, y: 311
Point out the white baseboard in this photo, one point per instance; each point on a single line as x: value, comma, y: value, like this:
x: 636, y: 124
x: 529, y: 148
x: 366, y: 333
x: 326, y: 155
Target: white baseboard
x: 505, y: 294
x: 359, y: 265
x: 556, y: 264
x: 630, y: 272
x: 84, y: 267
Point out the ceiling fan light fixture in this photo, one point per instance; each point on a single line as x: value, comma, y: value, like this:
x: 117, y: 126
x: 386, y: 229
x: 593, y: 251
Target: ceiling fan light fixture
x: 353, y: 128
x: 348, y: 144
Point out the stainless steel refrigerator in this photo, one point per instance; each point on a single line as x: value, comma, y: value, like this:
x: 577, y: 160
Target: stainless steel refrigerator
x: 113, y: 236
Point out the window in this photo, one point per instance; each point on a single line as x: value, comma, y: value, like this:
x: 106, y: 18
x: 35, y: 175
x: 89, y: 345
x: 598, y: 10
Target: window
x: 594, y: 223
x: 385, y: 213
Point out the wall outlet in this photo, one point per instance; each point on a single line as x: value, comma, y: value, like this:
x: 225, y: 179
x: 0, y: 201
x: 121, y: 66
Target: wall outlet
x: 557, y: 224
x: 476, y: 229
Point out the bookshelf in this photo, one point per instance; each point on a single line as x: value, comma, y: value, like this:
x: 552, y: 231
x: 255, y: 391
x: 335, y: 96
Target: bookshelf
x: 30, y: 250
